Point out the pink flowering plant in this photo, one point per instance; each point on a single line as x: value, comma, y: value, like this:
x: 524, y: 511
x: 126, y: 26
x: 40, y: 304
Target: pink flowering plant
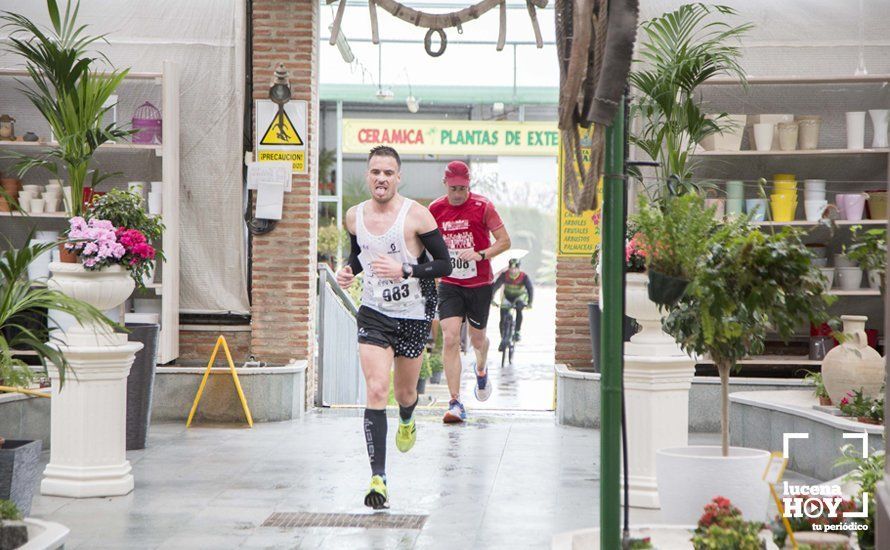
x: 127, y: 235
x: 99, y: 244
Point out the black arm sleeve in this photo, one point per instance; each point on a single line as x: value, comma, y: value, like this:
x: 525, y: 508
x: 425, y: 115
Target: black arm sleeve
x: 498, y: 283
x: 440, y: 265
x: 354, y: 251
x: 530, y: 288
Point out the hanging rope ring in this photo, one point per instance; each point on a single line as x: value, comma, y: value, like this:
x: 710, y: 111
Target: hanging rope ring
x: 428, y: 42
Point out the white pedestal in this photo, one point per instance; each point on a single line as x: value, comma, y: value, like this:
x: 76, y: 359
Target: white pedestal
x: 88, y: 424
x: 656, y: 389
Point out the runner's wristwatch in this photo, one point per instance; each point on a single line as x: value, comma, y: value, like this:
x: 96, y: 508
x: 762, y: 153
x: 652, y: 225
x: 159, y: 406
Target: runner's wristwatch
x: 482, y: 253
x: 407, y: 271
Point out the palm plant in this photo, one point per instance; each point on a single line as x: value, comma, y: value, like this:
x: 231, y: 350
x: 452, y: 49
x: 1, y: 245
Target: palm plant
x: 70, y: 94
x: 679, y: 52
x: 23, y: 307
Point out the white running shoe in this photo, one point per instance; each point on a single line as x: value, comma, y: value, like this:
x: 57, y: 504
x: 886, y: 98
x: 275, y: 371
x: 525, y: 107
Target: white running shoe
x: 483, y: 385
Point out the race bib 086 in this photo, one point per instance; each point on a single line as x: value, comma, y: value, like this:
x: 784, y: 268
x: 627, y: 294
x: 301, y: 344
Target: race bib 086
x: 461, y: 269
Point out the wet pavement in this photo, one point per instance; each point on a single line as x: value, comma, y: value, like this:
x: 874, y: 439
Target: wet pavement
x: 529, y: 383
x: 499, y: 481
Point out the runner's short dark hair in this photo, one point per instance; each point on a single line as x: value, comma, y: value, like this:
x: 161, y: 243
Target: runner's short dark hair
x: 385, y: 151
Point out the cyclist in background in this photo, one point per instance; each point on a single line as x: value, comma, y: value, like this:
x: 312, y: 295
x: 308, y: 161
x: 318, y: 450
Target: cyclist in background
x: 518, y: 293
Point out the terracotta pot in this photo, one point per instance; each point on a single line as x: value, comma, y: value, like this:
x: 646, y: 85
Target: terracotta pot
x: 825, y: 401
x: 11, y: 186
x: 853, y: 365
x: 867, y: 420
x: 65, y: 256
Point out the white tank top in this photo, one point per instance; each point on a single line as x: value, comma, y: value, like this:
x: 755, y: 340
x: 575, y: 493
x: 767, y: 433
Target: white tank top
x: 395, y: 298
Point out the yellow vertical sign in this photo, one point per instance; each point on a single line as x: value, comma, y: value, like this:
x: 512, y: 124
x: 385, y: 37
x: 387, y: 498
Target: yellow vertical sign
x: 577, y: 234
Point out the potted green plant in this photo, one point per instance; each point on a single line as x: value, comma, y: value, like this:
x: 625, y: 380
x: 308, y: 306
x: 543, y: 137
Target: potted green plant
x: 815, y: 378
x: 748, y: 285
x: 863, y: 408
x: 425, y: 372
x: 125, y: 211
x: 331, y: 240
x: 69, y: 92
x: 866, y: 474
x: 24, y: 326
x: 869, y: 250
x: 13, y: 531
x: 679, y: 51
x: 436, y: 367
x: 675, y: 232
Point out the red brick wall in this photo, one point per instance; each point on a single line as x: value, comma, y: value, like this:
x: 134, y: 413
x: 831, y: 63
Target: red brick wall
x: 195, y: 346
x: 284, y: 261
x: 574, y: 290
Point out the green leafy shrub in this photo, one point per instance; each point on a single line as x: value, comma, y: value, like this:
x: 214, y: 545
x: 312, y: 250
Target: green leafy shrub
x: 722, y: 527
x: 748, y: 285
x: 815, y: 378
x: 9, y: 511
x: 675, y: 233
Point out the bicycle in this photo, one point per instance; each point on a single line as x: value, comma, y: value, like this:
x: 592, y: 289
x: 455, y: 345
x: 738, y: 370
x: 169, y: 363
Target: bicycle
x: 507, y: 336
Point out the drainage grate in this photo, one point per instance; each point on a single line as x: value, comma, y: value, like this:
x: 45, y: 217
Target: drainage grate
x: 290, y: 520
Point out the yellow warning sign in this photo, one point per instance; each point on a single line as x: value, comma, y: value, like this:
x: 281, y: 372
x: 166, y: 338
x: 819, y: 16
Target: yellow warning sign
x: 281, y: 131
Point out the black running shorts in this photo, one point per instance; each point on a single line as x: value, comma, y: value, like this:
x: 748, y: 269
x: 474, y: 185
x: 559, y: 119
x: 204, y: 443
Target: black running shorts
x: 407, y: 337
x: 470, y: 303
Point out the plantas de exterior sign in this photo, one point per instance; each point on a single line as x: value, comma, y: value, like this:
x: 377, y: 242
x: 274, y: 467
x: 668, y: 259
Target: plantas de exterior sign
x: 452, y: 137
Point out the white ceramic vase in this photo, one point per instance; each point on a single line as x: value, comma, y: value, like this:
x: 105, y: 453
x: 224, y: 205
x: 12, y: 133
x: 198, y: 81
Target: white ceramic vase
x: 879, y: 119
x: 645, y: 312
x: 853, y: 365
x: 104, y: 289
x: 856, y: 130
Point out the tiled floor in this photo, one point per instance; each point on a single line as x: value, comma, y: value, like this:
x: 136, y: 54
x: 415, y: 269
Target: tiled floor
x: 502, y: 480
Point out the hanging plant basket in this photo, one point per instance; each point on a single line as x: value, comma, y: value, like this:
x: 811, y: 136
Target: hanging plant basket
x: 666, y: 290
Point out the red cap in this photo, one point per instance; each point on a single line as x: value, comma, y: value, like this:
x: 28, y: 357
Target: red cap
x: 457, y: 173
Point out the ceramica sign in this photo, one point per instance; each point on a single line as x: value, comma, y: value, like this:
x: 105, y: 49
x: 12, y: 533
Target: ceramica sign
x: 281, y: 133
x: 577, y: 234
x: 452, y: 137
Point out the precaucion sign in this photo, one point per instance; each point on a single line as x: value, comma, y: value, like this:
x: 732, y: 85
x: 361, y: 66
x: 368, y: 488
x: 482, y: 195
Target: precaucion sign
x: 281, y: 133
x: 577, y: 234
x: 452, y: 137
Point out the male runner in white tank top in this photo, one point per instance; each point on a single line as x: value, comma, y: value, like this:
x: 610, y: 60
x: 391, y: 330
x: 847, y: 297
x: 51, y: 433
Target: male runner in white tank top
x: 397, y: 243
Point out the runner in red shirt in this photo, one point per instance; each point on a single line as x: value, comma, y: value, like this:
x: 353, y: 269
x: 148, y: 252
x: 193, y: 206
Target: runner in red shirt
x: 466, y: 221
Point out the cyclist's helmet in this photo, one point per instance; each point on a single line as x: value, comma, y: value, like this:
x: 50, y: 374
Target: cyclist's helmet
x: 514, y: 262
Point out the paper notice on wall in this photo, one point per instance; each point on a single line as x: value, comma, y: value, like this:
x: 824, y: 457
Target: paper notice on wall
x: 278, y: 172
x: 269, y: 200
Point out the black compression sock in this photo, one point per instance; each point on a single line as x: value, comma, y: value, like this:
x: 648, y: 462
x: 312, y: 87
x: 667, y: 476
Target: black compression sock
x: 375, y: 438
x: 406, y: 412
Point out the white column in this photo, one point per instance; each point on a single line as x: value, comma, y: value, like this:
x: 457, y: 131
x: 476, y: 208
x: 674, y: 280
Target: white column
x: 657, y: 379
x: 656, y: 391
x: 88, y: 422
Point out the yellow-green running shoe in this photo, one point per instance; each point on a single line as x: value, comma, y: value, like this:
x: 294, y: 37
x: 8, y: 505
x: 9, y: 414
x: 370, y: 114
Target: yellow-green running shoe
x: 376, y: 497
x: 406, y: 436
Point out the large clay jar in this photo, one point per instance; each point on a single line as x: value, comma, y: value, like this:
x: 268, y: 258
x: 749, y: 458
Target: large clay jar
x: 853, y: 365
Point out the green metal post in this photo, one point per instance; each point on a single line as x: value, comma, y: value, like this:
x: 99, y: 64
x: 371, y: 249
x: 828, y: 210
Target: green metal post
x: 611, y: 339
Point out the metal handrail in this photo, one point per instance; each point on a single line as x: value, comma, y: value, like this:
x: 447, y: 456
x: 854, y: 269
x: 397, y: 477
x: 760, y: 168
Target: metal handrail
x: 327, y: 279
x: 326, y: 275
